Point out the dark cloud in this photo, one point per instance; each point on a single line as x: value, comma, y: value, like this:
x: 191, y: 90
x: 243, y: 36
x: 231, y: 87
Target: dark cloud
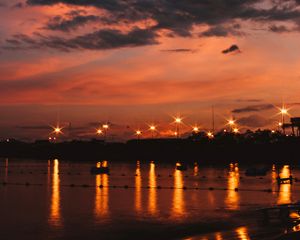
x: 222, y: 31
x: 38, y: 127
x: 279, y: 29
x: 232, y: 49
x: 179, y: 50
x: 178, y: 18
x: 18, y: 5
x: 254, y: 121
x: 102, y: 39
x: 249, y: 100
x: 61, y: 24
x: 253, y: 108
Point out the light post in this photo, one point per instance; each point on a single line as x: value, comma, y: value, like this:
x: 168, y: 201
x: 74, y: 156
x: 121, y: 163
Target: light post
x: 283, y: 111
x: 231, y: 124
x: 138, y: 133
x: 56, y: 131
x: 105, y: 127
x: 178, y: 121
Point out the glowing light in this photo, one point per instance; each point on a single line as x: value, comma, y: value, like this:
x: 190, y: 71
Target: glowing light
x: 152, y: 128
x: 105, y: 126
x: 284, y: 111
x: 99, y: 131
x: 178, y: 120
x: 104, y: 164
x: 57, y: 130
x: 178, y: 164
x: 196, y: 129
x: 138, y: 132
x: 280, y: 124
x: 236, y: 130
x: 231, y: 122
x: 210, y: 135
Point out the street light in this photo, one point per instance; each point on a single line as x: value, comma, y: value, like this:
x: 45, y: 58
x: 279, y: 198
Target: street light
x: 178, y: 121
x: 99, y: 131
x: 210, y: 135
x: 236, y: 130
x: 138, y: 133
x: 283, y: 111
x: 231, y: 123
x: 105, y: 127
x: 152, y: 128
x: 196, y: 129
x: 57, y: 130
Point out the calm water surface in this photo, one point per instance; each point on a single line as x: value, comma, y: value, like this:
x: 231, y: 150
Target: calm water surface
x: 141, y: 200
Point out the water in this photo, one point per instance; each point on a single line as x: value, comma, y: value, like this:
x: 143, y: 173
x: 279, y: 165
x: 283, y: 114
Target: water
x: 62, y: 200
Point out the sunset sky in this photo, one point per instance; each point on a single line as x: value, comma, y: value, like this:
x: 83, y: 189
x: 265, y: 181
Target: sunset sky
x: 134, y: 62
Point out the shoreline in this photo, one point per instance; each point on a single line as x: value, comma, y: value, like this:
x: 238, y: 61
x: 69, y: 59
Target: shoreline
x: 206, y: 153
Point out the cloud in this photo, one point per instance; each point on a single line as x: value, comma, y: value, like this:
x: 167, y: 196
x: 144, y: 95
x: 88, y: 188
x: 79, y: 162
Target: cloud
x: 180, y: 50
x: 249, y: 100
x: 233, y: 48
x: 38, y: 127
x: 62, y: 24
x: 253, y: 108
x: 254, y: 121
x: 222, y: 31
x: 167, y: 17
x: 18, y: 5
x: 279, y: 29
x: 101, y: 39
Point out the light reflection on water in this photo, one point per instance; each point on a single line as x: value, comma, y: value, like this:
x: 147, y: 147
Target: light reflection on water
x: 178, y: 208
x: 145, y: 200
x: 152, y: 204
x: 242, y: 233
x: 233, y: 197
x: 138, y: 190
x: 196, y: 169
x: 55, y: 214
x: 101, y: 196
x: 285, y: 195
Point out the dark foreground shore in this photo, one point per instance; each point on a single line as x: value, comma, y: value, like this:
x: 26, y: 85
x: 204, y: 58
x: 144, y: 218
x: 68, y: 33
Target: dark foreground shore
x: 166, y: 150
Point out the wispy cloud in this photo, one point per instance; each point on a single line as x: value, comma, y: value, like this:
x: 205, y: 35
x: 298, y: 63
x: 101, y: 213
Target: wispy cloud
x: 253, y: 108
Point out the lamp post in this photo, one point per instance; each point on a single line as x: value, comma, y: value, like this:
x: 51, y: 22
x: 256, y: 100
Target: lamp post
x: 231, y: 124
x: 283, y: 111
x: 178, y: 121
x: 138, y: 133
x: 56, y: 131
x: 105, y: 128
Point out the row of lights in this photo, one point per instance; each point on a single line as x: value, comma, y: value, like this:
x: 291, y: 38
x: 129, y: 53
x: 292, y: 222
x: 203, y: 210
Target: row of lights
x: 177, y: 121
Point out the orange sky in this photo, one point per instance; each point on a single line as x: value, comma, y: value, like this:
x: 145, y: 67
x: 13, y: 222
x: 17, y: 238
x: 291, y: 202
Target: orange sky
x: 133, y: 85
